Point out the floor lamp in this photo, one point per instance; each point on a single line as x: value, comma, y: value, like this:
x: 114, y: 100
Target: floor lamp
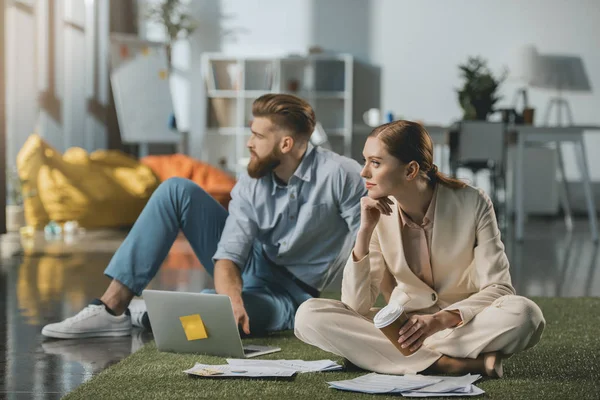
x: 564, y: 74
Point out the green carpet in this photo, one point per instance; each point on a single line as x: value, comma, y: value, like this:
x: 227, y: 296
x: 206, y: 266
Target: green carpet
x: 564, y: 365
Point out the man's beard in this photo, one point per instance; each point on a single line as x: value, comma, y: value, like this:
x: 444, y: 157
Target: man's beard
x: 259, y: 167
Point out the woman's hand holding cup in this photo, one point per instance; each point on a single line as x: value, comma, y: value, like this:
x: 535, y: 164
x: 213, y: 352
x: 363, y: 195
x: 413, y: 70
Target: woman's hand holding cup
x: 418, y: 328
x: 390, y: 320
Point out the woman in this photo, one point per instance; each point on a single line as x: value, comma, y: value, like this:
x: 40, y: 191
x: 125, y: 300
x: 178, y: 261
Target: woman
x: 432, y: 245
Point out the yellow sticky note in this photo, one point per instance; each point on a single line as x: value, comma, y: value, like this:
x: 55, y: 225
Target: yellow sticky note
x: 163, y: 74
x: 193, y: 327
x: 145, y: 51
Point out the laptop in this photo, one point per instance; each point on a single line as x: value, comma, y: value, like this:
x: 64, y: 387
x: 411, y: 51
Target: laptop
x: 166, y: 309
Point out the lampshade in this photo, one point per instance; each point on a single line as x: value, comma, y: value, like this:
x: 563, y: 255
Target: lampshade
x: 561, y: 72
x: 525, y: 66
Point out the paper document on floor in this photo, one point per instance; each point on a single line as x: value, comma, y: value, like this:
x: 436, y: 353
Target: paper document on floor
x: 472, y: 390
x: 378, y: 383
x: 449, y: 386
x: 291, y: 365
x: 412, y: 385
x: 229, y: 371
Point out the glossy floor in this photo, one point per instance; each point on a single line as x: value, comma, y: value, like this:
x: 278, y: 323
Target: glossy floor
x: 57, y: 278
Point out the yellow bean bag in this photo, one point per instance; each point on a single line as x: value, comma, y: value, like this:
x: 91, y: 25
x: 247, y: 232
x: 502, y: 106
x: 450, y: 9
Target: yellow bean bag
x: 104, y: 189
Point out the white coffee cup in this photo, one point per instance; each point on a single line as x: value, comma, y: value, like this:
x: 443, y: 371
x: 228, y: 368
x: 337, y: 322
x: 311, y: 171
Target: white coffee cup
x: 372, y: 117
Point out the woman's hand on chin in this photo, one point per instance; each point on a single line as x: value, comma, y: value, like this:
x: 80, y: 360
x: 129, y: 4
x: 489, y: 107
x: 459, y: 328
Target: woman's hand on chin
x: 371, y: 209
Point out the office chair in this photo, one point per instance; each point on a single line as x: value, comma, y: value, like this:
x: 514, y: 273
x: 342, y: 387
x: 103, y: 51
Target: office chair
x: 478, y: 146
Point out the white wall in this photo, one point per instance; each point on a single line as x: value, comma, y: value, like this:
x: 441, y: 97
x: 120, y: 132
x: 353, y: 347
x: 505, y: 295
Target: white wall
x: 21, y: 88
x: 343, y: 26
x: 420, y: 44
x: 273, y: 27
x: 269, y: 27
x: 243, y: 27
x: 76, y: 61
x: 186, y: 77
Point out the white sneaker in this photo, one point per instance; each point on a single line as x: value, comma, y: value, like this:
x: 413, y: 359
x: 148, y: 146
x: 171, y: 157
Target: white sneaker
x: 92, y: 321
x: 137, y: 308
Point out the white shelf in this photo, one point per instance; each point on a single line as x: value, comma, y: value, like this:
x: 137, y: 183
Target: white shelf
x: 222, y: 131
x: 233, y: 131
x: 318, y: 57
x: 328, y: 82
x: 316, y: 94
x: 234, y: 94
x: 223, y: 94
x: 335, y: 131
x: 223, y: 57
x: 362, y: 129
x: 329, y: 95
x: 249, y: 94
x: 229, y: 131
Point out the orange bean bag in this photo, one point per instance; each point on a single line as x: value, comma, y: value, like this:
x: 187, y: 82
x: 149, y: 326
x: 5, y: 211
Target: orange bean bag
x: 214, y: 181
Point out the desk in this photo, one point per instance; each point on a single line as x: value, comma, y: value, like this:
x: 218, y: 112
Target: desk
x: 557, y: 135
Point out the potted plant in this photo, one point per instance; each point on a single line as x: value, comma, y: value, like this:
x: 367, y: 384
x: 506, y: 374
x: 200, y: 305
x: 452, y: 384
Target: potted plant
x: 179, y: 23
x: 478, y: 95
x: 172, y: 15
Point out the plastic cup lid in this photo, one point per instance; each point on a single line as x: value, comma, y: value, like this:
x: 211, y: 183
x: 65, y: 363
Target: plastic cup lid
x: 387, y: 315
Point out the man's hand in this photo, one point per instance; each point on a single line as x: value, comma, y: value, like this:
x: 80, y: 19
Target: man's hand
x: 240, y: 314
x: 228, y: 280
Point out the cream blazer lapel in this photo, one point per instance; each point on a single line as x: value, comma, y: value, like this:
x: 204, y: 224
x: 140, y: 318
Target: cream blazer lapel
x: 410, y: 290
x: 452, y: 245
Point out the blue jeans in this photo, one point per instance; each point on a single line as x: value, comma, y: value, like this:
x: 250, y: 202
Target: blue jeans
x: 270, y: 298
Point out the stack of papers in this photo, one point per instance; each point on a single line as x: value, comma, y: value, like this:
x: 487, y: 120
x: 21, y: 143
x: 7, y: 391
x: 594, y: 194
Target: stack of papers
x: 377, y: 383
x: 228, y: 371
x: 246, y: 368
x: 449, y: 386
x: 292, y: 365
x: 412, y: 385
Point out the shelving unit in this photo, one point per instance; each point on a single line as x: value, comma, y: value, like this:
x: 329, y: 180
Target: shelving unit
x: 328, y: 82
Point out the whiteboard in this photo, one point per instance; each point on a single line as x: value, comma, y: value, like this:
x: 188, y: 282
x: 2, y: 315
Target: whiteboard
x: 142, y: 93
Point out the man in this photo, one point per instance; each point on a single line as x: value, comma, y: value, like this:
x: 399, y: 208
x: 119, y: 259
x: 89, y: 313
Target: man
x: 291, y: 224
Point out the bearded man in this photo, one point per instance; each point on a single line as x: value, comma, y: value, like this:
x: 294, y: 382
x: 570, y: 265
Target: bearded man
x: 289, y: 229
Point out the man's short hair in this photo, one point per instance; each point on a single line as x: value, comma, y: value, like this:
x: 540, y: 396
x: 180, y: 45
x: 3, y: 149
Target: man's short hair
x: 288, y: 112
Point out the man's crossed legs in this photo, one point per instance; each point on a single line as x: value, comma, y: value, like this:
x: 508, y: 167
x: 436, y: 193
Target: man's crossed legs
x: 270, y: 298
